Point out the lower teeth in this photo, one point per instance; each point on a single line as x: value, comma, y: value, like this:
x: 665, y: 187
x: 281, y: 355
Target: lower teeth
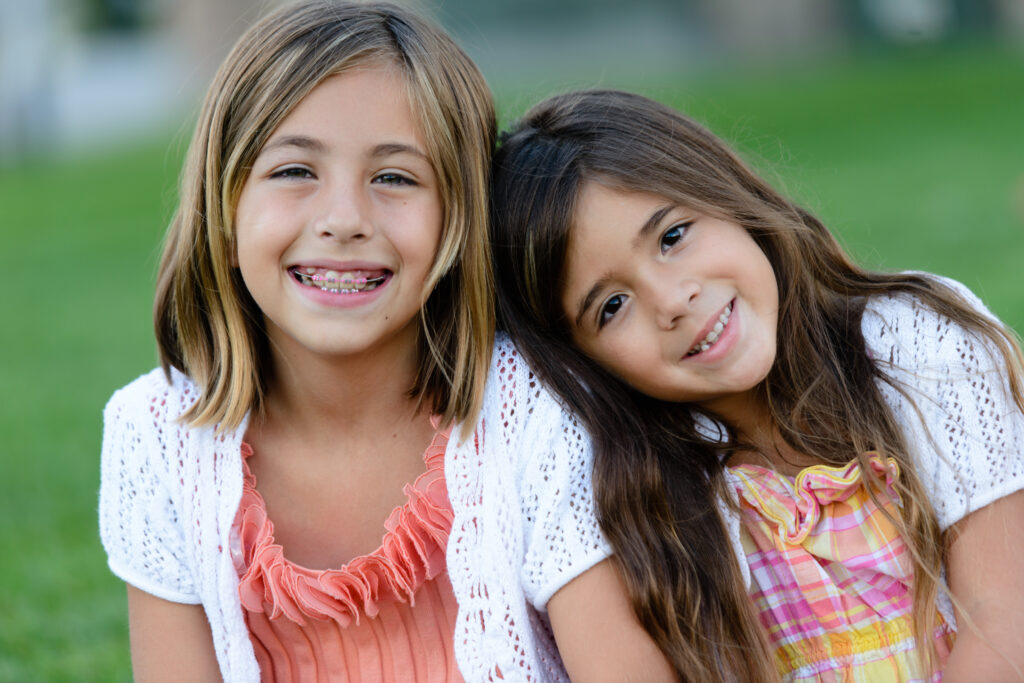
x: 705, y: 345
x: 342, y: 290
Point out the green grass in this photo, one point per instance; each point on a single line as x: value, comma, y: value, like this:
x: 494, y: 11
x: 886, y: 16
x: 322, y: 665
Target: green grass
x: 81, y: 242
x: 916, y: 160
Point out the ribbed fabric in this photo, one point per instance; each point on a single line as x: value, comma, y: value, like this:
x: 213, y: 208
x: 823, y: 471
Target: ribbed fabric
x: 830, y: 574
x: 387, y: 616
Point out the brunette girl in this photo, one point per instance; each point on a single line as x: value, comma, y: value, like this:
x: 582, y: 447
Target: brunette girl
x: 807, y: 470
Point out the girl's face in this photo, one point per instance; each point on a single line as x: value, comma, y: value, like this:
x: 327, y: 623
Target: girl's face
x: 681, y: 306
x: 339, y: 219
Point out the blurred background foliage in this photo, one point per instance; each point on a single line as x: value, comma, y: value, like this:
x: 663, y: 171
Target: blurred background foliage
x: 896, y: 121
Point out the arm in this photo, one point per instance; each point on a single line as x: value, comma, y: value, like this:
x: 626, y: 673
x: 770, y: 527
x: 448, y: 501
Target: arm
x: 170, y: 641
x: 965, y: 431
x: 986, y: 574
x: 143, y: 533
x: 599, y: 637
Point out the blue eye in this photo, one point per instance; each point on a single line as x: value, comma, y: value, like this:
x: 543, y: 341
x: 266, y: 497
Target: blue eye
x: 671, y: 236
x: 609, y: 309
x: 292, y: 172
x: 393, y: 179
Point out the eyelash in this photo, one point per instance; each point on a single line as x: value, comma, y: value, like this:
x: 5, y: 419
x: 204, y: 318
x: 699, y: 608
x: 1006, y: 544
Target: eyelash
x: 604, y: 316
x: 292, y: 172
x: 391, y: 179
x: 394, y: 179
x: 680, y: 228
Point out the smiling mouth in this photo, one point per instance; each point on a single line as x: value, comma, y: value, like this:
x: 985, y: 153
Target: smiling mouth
x: 335, y: 282
x: 716, y: 331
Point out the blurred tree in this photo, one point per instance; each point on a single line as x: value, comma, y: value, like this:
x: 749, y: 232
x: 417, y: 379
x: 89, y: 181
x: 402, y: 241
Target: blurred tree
x: 908, y: 21
x: 116, y: 16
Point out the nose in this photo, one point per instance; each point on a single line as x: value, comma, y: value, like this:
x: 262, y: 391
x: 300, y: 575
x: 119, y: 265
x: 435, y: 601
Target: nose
x: 342, y: 213
x: 672, y: 301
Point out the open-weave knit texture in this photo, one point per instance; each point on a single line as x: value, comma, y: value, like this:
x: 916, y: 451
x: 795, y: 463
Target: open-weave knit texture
x: 968, y: 440
x: 519, y: 486
x: 963, y: 429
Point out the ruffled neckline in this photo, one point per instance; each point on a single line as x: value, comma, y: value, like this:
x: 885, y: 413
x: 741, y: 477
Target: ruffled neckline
x: 795, y: 504
x: 412, y: 552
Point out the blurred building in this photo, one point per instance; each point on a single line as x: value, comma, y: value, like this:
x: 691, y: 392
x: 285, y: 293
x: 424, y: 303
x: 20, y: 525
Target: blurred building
x: 77, y: 73
x: 86, y: 73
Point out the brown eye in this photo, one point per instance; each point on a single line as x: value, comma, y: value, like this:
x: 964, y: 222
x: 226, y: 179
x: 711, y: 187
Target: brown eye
x: 671, y: 236
x: 610, y: 308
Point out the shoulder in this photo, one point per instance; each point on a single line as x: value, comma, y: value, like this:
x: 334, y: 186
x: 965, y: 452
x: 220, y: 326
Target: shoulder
x: 155, y: 393
x: 539, y: 460
x: 511, y: 380
x: 517, y: 401
x: 149, y: 487
x: 947, y: 387
x: 902, y: 333
x: 140, y: 421
x: 507, y: 363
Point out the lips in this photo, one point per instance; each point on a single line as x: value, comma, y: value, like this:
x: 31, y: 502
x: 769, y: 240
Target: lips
x: 714, y: 333
x: 339, y: 281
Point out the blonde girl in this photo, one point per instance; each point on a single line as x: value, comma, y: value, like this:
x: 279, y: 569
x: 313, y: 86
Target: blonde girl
x: 798, y: 462
x: 281, y: 495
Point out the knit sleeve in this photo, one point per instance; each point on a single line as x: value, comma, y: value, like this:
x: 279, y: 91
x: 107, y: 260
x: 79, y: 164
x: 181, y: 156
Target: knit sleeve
x: 562, y: 538
x: 523, y: 527
x: 961, y: 422
x: 138, y: 519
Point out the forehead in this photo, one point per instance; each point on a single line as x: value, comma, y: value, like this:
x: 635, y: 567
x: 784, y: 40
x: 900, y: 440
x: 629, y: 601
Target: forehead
x: 600, y: 205
x: 607, y: 222
x: 603, y: 239
x: 357, y: 100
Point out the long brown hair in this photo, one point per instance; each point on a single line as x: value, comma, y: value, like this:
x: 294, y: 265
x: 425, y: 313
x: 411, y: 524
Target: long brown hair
x: 206, y: 323
x: 658, y: 481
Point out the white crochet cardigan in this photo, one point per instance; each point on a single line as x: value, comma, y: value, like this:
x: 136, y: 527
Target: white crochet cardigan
x: 520, y: 488
x: 963, y: 429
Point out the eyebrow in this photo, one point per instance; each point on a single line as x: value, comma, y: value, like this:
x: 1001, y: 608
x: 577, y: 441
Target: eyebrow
x: 653, y: 221
x: 389, y: 148
x: 300, y: 141
x: 314, y: 145
x: 588, y: 299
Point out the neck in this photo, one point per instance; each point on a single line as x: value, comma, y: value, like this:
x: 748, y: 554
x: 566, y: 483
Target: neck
x: 747, y: 414
x: 338, y: 396
x: 750, y: 418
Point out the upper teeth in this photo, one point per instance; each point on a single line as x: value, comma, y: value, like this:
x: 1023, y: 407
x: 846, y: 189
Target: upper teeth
x: 333, y: 281
x: 705, y: 343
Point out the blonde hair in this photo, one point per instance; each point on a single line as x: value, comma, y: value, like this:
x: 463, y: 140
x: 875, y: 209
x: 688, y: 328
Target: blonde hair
x: 206, y: 323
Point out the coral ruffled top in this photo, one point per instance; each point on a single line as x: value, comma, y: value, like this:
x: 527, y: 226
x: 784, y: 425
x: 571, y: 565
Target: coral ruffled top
x: 385, y: 616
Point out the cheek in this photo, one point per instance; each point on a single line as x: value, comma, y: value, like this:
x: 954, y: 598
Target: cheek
x: 419, y: 250
x: 417, y: 232
x: 630, y: 359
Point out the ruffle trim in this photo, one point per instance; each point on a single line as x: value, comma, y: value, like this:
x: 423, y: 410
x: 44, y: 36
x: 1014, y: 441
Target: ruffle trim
x: 412, y: 552
x: 796, y: 504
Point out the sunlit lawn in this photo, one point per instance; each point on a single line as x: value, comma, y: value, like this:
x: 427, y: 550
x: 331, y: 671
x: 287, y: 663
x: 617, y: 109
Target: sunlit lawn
x: 916, y: 160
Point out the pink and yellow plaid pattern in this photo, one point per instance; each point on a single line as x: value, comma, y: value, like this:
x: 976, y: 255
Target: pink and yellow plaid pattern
x: 830, y: 574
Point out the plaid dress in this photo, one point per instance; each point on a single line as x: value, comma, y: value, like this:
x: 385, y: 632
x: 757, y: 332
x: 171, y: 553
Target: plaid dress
x: 830, y: 574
